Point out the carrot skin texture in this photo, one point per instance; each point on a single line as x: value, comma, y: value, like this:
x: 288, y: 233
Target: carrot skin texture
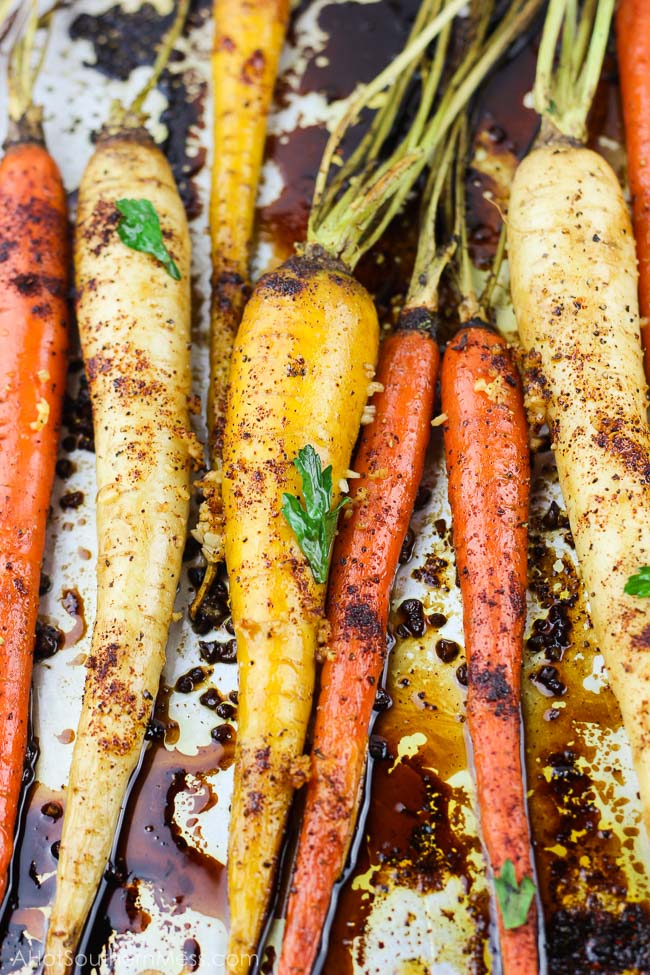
x: 390, y: 459
x: 300, y: 373
x: 574, y: 291
x: 633, y: 47
x: 134, y: 325
x: 486, y: 448
x: 247, y: 46
x: 33, y: 356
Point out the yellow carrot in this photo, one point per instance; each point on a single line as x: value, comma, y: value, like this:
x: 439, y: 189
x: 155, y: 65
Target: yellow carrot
x: 301, y: 367
x: 247, y: 45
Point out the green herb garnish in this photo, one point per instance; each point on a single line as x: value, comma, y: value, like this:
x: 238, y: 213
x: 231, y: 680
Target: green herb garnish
x: 139, y: 229
x: 314, y: 525
x: 514, y: 899
x: 639, y: 584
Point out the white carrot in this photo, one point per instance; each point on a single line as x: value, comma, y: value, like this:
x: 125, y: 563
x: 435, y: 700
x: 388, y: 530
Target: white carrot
x: 134, y: 320
x: 574, y: 288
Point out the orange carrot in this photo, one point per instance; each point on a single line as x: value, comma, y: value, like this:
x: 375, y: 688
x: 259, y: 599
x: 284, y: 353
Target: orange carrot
x: 33, y: 346
x: 486, y: 445
x: 390, y: 459
x: 633, y: 46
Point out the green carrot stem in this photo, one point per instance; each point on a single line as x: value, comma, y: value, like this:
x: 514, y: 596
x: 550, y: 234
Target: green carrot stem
x: 164, y: 52
x: 564, y: 91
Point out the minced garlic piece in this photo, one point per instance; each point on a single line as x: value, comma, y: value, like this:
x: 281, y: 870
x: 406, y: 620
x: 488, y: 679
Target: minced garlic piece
x: 43, y: 411
x: 496, y: 390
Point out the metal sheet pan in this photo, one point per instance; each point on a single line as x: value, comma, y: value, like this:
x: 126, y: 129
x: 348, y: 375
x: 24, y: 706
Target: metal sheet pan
x: 415, y: 898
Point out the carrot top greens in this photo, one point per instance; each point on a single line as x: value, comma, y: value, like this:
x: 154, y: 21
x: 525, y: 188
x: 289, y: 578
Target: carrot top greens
x: 565, y: 84
x: 639, y: 583
x: 355, y: 199
x: 514, y: 899
x: 139, y: 229
x: 314, y: 525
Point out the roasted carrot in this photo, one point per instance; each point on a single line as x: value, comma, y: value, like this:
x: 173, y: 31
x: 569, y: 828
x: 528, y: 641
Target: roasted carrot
x: 486, y: 448
x: 248, y: 40
x: 632, y: 33
x: 574, y: 288
x: 389, y: 463
x: 133, y: 310
x: 34, y: 256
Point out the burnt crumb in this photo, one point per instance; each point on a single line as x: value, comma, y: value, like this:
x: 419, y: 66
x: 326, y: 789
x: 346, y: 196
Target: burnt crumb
x: 383, y: 700
x: 86, y: 443
x: 552, y: 636
x: 78, y: 418
x: 54, y: 849
x: 548, y: 678
x: 555, y: 518
x: 223, y: 733
x: 230, y: 626
x: 195, y: 575
x: 436, y: 620
x: 48, y: 640
x: 211, y: 698
x: 53, y: 810
x: 116, y: 871
x: 413, y: 619
x: 189, y: 681
x: 583, y: 942
x: 44, y: 585
x: 447, y: 650
x: 378, y: 748
x: 406, y: 551
x: 214, y: 608
x: 422, y: 498
x: 65, y: 468
x: 226, y: 710
x: 461, y: 675
x: 73, y: 499
x: 214, y: 652
x: 433, y: 572
x: 234, y: 697
x: 156, y: 730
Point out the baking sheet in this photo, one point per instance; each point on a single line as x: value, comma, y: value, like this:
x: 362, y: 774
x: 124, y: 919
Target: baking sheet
x: 415, y: 898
